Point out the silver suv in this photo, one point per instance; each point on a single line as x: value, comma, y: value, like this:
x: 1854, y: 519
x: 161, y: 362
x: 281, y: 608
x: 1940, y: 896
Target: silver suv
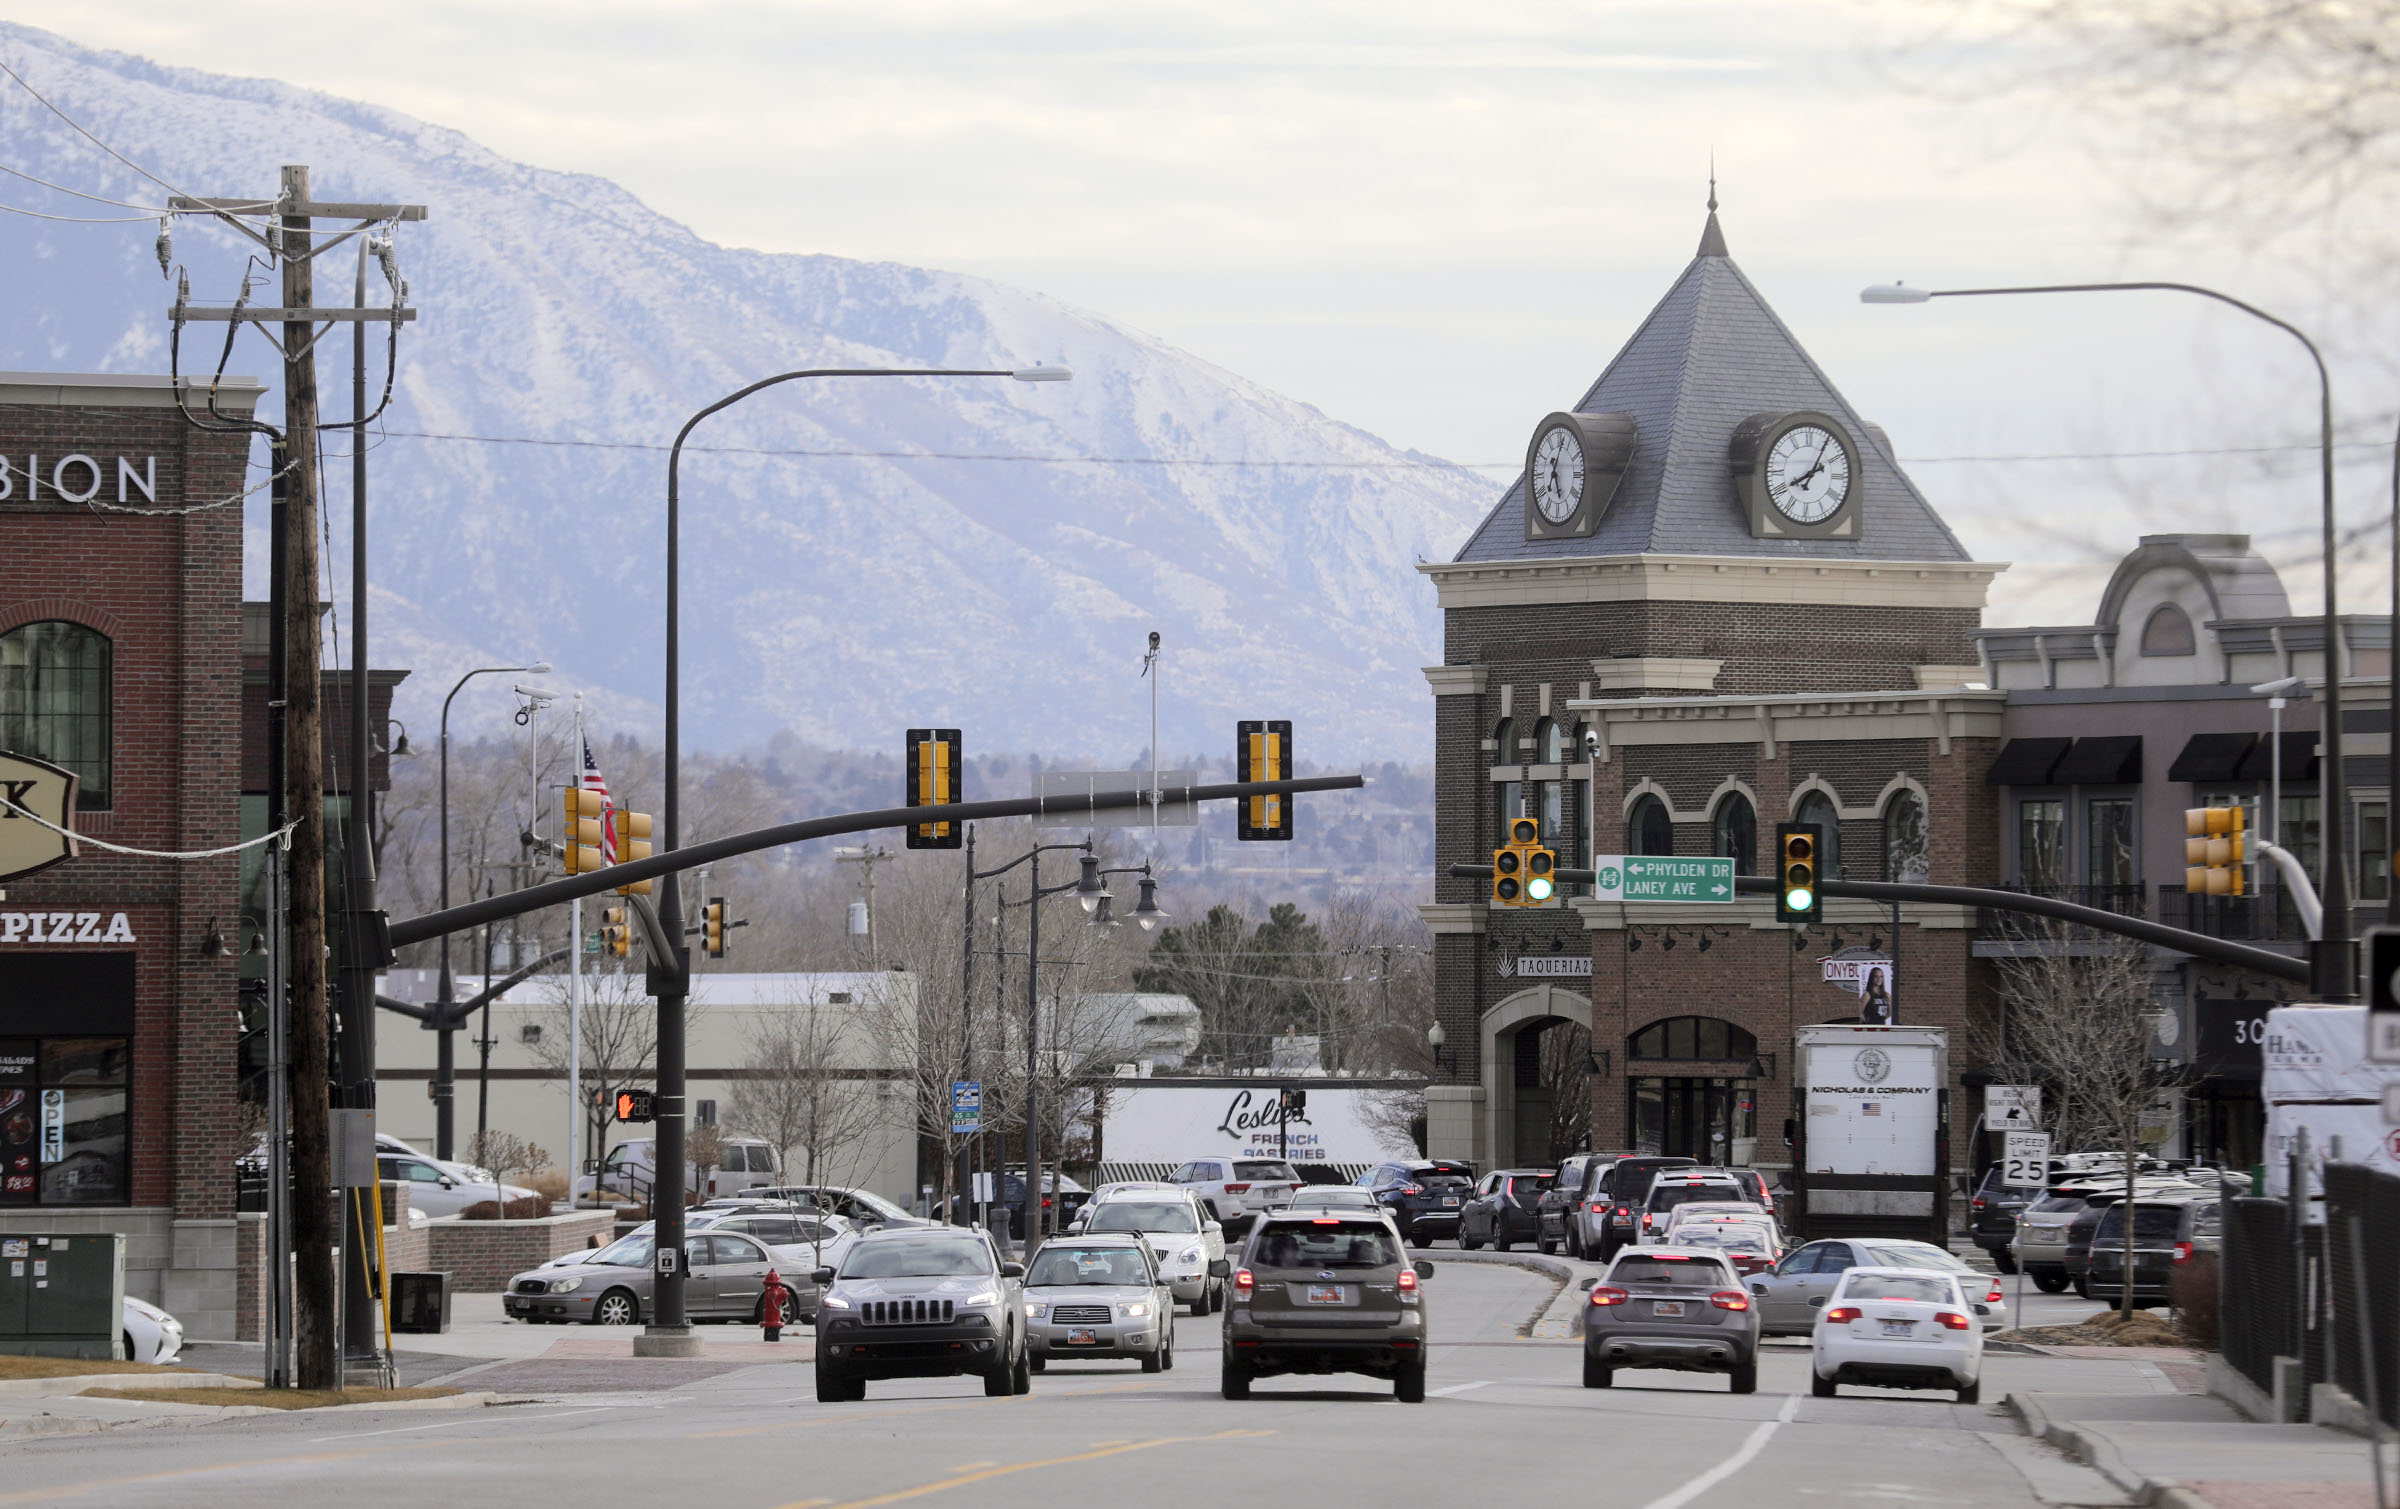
x: 924, y: 1302
x: 1236, y: 1191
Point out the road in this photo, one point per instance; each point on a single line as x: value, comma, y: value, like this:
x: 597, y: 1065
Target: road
x: 1508, y: 1418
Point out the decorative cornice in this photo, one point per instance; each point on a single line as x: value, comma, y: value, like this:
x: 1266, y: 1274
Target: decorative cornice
x: 1712, y: 579
x: 111, y: 390
x: 1454, y: 916
x: 1456, y: 680
x: 1657, y: 673
x: 1940, y: 716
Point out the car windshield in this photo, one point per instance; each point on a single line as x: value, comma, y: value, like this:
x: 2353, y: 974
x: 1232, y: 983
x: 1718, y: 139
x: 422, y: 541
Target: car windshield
x: 2151, y: 1223
x: 626, y: 1252
x: 1142, y: 1215
x: 2054, y: 1205
x: 1916, y: 1255
x: 1668, y: 1196
x: 1328, y: 1244
x: 1732, y: 1236
x: 1922, y: 1288
x: 1062, y: 1267
x: 917, y: 1258
x: 1442, y: 1178
x: 1670, y: 1271
x: 1266, y: 1170
x: 1357, y: 1199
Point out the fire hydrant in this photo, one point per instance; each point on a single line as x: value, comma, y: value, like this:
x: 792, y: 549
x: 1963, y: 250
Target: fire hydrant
x: 771, y: 1303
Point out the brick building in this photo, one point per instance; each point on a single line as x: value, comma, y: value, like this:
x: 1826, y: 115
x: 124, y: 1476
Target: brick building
x: 1711, y: 603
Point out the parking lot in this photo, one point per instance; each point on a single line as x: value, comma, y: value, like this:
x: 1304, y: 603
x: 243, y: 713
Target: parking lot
x: 1504, y: 1410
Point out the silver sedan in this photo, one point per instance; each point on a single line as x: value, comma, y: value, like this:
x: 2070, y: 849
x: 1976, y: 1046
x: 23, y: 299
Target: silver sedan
x: 1100, y: 1297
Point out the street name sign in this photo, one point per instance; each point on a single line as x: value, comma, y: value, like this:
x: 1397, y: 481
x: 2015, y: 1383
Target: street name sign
x: 1646, y: 877
x: 966, y: 1106
x: 2025, y: 1160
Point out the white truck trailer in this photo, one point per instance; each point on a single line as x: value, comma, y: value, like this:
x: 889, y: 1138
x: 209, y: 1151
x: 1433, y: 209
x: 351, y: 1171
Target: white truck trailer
x: 1871, y: 1140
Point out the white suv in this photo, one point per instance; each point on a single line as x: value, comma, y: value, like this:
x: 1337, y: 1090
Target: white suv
x: 1237, y: 1190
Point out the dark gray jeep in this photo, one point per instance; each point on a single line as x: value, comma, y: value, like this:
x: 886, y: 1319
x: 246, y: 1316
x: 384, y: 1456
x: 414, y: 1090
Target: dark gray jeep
x: 922, y: 1302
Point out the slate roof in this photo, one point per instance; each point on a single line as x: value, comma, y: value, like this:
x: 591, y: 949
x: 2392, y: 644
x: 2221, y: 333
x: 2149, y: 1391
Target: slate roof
x: 1710, y: 355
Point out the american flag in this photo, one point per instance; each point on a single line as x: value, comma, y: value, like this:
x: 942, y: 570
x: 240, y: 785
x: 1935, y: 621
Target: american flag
x: 593, y: 780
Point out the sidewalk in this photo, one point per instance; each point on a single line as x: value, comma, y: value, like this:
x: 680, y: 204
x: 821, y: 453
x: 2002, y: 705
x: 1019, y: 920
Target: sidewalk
x: 2192, y: 1451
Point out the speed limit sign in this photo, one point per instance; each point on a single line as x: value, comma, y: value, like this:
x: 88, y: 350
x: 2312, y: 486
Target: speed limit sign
x: 2025, y: 1160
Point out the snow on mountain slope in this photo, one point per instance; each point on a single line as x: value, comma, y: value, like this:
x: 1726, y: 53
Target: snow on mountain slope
x: 843, y: 597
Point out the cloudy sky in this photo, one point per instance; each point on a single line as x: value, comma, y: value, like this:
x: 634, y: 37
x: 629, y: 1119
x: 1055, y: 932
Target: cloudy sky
x: 1437, y: 220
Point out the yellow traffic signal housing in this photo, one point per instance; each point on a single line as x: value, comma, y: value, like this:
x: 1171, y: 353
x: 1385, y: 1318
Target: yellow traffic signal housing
x: 936, y: 778
x: 712, y: 926
x: 2216, y: 850
x: 1263, y: 752
x: 1508, y: 877
x: 633, y: 842
x: 1798, y: 897
x: 580, y: 838
x: 616, y: 932
x: 1524, y: 873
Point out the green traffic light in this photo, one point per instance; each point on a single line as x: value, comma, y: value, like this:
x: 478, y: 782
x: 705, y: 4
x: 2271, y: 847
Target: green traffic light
x: 1539, y: 888
x: 1799, y: 900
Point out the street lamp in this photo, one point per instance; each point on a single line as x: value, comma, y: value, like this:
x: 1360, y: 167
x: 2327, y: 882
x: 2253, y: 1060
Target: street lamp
x: 445, y: 1059
x: 668, y: 1334
x: 2332, y: 962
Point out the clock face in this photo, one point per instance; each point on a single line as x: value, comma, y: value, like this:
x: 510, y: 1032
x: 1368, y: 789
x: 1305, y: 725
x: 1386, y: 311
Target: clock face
x: 1808, y: 474
x: 1558, y: 475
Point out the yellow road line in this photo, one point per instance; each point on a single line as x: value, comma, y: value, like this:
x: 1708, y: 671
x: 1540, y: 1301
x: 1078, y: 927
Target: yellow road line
x: 930, y: 1407
x: 71, y: 1490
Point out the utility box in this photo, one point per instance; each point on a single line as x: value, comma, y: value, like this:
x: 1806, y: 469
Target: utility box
x: 62, y: 1296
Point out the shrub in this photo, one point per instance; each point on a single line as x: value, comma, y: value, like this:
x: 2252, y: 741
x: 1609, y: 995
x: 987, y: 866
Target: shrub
x: 529, y: 1208
x: 550, y: 1184
x: 2194, y: 1288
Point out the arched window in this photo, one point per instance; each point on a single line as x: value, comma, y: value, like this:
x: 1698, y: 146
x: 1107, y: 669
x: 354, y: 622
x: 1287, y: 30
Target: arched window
x: 55, y: 691
x: 1508, y: 797
x: 1691, y: 1037
x: 1504, y: 743
x: 1907, y: 856
x: 1817, y: 807
x: 1648, y: 828
x: 1549, y: 743
x: 2168, y: 632
x: 1735, y: 833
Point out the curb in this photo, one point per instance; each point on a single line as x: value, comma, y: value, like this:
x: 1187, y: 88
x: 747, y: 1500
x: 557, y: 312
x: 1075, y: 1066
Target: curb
x: 1558, y: 1271
x: 2100, y: 1454
x: 68, y: 1384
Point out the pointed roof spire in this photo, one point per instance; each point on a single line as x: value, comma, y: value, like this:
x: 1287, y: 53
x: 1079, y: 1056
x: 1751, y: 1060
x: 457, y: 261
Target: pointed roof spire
x: 1712, y: 236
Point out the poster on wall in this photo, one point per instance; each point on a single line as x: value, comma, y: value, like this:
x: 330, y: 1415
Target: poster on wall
x: 1868, y: 976
x: 1147, y: 1122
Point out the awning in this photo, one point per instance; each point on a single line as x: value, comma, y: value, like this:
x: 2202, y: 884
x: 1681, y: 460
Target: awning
x: 2111, y: 760
x: 2299, y: 757
x: 2027, y: 762
x: 2212, y: 757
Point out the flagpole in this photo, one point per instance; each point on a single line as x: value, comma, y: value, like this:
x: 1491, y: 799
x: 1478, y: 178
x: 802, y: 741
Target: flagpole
x: 575, y: 1116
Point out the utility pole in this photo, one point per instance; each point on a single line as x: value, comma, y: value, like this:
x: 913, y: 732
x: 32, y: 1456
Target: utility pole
x: 867, y: 858
x: 317, y: 1226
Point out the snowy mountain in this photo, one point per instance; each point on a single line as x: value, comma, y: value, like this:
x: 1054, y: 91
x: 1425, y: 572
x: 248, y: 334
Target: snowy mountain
x: 841, y: 596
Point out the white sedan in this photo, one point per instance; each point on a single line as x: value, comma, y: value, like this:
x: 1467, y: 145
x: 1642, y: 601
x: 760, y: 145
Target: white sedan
x: 1898, y: 1328
x: 1189, y: 1246
x: 151, y: 1334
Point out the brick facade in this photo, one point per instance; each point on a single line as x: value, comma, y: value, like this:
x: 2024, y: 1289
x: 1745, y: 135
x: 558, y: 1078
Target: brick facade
x: 482, y: 1256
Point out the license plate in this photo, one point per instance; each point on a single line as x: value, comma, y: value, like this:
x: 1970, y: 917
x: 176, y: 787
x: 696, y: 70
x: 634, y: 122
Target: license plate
x: 1081, y: 1336
x: 1449, y: 1199
x: 1898, y: 1327
x: 1666, y: 1307
x: 1324, y: 1294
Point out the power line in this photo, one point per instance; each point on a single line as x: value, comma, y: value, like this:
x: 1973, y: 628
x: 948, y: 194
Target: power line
x: 86, y: 135
x: 17, y: 209
x: 78, y: 193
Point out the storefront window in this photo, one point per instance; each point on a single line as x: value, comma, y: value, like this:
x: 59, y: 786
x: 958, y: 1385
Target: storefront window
x: 1712, y: 1120
x: 2374, y: 851
x: 64, y: 1120
x: 2108, y: 859
x: 2041, y: 844
x: 1691, y: 1037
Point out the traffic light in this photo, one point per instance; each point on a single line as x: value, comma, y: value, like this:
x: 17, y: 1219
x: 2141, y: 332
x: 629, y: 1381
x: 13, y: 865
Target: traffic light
x: 2215, y: 850
x: 712, y: 927
x: 616, y: 932
x: 637, y: 1105
x: 633, y: 842
x: 1797, y: 896
x: 1263, y: 752
x: 1295, y: 1102
x: 936, y: 778
x: 580, y: 838
x: 1522, y: 869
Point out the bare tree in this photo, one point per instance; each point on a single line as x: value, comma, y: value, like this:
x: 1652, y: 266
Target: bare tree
x: 2079, y: 1011
x: 504, y: 1154
x: 801, y: 1088
x: 617, y: 1030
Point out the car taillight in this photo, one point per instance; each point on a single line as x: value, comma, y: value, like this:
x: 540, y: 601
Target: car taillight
x: 1730, y: 1299
x: 1408, y: 1281
x: 1597, y: 1206
x: 1412, y: 1189
x: 1952, y: 1320
x: 1620, y: 1210
x: 1648, y: 1220
x: 1993, y: 1298
x: 1244, y: 1282
x: 1237, y: 1189
x: 1842, y: 1315
x: 1978, y: 1202
x: 2183, y: 1252
x: 1604, y: 1295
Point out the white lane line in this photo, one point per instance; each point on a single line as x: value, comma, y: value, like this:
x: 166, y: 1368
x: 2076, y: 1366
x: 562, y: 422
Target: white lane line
x: 1750, y: 1448
x: 402, y: 1430
x: 1459, y: 1388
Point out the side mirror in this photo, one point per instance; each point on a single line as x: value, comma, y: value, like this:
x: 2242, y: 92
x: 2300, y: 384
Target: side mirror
x: 822, y: 1276
x: 1220, y: 1269
x: 1424, y: 1269
x: 1012, y: 1270
x: 1586, y: 1283
x: 448, y: 1182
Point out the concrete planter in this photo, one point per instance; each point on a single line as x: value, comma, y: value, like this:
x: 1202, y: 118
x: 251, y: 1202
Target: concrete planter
x: 482, y: 1256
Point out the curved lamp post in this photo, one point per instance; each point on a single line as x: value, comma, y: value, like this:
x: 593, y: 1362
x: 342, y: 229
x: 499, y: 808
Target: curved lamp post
x: 668, y: 1335
x: 2332, y: 957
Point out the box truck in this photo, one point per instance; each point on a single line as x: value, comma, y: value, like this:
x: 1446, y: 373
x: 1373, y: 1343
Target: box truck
x: 1871, y: 1137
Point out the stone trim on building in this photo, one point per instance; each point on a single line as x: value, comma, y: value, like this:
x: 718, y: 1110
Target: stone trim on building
x: 1713, y: 579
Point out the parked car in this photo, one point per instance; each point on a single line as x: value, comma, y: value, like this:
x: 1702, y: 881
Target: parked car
x: 1897, y: 1328
x: 1236, y: 1190
x: 1099, y: 1296
x: 862, y: 1208
x: 1061, y: 1199
x: 1326, y: 1294
x: 744, y: 1163
x: 437, y: 1191
x: 1622, y: 1190
x: 1566, y: 1188
x: 1992, y: 1217
x: 2168, y: 1231
x: 1676, y: 1186
x: 2086, y: 1223
x: 823, y: 1240
x: 1424, y: 1195
x: 151, y: 1334
x: 724, y: 1279
x: 1506, y: 1209
x: 922, y: 1302
x: 2038, y: 1244
x: 1189, y: 1246
x: 1670, y: 1307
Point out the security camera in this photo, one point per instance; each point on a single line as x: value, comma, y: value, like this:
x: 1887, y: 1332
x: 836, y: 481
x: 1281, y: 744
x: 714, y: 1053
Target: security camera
x: 1591, y: 741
